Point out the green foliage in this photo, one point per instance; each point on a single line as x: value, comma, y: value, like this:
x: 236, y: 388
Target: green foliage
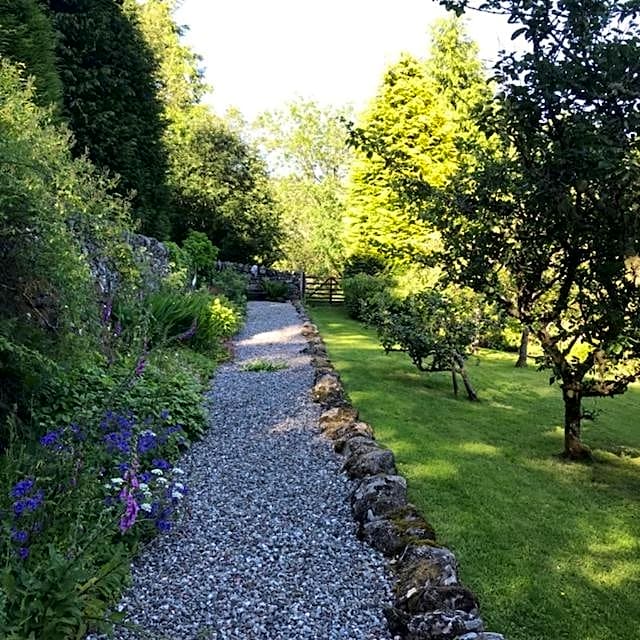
x: 231, y: 284
x: 369, y: 263
x: 220, y: 187
x: 176, y: 73
x: 547, y: 224
x: 27, y: 37
x: 200, y: 252
x: 264, y: 365
x: 276, y: 289
x: 305, y: 144
x: 559, y: 539
x: 413, y: 134
x: 52, y: 210
x: 110, y: 100
x: 365, y: 294
x: 196, y: 317
x: 434, y: 329
x: 178, y: 277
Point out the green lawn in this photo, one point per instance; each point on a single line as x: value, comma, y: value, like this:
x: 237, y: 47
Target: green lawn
x: 552, y: 549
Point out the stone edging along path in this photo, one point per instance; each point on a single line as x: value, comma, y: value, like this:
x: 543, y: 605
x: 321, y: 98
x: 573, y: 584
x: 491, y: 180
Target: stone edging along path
x: 429, y: 603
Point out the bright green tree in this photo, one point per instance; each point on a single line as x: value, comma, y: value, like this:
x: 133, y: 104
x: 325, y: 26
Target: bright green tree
x: 177, y: 73
x: 110, y: 100
x: 419, y: 118
x: 27, y: 37
x: 306, y: 145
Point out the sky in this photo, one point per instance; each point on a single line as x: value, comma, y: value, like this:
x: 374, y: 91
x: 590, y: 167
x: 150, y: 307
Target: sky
x: 259, y: 54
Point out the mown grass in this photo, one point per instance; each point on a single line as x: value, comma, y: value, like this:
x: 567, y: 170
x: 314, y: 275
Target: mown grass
x: 552, y: 549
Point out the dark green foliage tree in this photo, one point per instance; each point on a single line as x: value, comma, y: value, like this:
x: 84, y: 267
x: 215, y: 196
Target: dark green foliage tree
x: 27, y: 37
x: 111, y: 102
x: 548, y: 225
x: 221, y: 188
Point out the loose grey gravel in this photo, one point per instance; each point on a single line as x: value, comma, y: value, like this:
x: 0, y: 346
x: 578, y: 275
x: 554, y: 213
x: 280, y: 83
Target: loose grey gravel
x: 266, y: 546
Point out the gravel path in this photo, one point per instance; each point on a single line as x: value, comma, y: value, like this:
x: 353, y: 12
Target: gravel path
x: 266, y: 547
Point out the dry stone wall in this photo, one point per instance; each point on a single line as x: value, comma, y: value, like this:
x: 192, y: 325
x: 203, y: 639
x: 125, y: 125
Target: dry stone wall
x: 430, y: 603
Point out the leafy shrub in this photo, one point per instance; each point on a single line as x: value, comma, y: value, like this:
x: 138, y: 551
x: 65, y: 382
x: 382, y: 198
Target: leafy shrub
x: 276, y: 290
x: 436, y: 330
x: 231, y: 284
x: 367, y: 263
x: 178, y: 277
x: 200, y: 254
x: 195, y: 318
x: 365, y: 294
x: 54, y: 211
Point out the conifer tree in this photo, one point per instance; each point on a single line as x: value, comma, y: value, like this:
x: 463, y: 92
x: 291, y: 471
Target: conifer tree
x: 411, y: 135
x: 27, y: 38
x: 110, y: 100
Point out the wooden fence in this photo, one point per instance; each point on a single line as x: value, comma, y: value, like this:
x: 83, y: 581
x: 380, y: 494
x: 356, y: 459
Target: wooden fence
x: 326, y: 290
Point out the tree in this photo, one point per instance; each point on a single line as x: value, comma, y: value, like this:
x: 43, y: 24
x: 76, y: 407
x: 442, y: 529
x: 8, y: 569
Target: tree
x: 306, y: 145
x: 27, y: 37
x: 176, y: 72
x: 419, y: 119
x: 547, y: 225
x: 110, y: 100
x: 436, y: 330
x: 220, y: 187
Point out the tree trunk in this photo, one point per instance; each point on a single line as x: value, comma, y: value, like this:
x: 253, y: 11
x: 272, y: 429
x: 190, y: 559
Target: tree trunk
x: 524, y: 348
x: 454, y: 380
x: 573, y: 447
x: 459, y: 360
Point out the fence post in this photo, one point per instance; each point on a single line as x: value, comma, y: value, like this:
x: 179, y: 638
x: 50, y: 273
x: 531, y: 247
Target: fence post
x: 303, y: 284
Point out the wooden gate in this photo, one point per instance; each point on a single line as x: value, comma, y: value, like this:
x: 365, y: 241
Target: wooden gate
x: 327, y: 290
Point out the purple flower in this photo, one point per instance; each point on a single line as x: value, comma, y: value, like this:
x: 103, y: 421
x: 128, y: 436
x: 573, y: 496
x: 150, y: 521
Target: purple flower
x: 130, y: 511
x: 142, y: 363
x: 118, y: 442
x: 164, y: 414
x: 19, y: 507
x: 77, y: 432
x: 147, y: 442
x: 18, y: 535
x: 145, y: 477
x: 160, y: 463
x: 22, y: 488
x: 23, y: 553
x: 117, y: 331
x: 50, y: 439
x: 31, y: 504
x: 163, y: 525
x: 106, y: 311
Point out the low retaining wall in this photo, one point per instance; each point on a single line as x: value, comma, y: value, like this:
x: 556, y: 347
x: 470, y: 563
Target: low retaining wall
x: 430, y: 603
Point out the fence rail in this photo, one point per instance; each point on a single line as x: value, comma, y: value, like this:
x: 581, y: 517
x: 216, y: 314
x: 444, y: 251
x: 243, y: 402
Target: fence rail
x: 328, y: 290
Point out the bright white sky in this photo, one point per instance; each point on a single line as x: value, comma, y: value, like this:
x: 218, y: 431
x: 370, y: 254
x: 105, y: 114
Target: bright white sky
x: 259, y: 54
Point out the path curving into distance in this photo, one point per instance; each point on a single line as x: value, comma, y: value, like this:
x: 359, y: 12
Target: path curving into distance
x: 266, y: 548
